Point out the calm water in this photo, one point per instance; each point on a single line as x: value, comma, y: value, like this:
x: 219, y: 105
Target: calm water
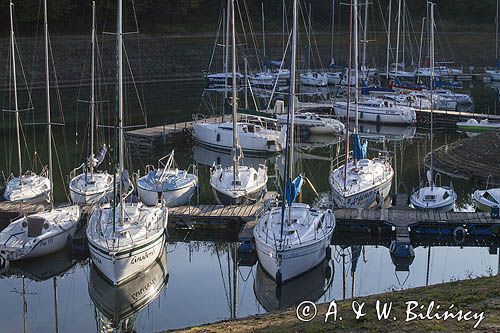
x: 195, y: 282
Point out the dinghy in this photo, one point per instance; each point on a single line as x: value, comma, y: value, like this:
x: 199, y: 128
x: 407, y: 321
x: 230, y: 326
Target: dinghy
x: 485, y: 200
x: 473, y: 126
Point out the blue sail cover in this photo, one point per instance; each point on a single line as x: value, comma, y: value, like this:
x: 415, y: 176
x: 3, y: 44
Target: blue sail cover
x: 359, y: 149
x: 293, y: 189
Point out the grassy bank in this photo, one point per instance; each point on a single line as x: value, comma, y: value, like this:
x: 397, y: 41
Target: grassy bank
x: 477, y: 295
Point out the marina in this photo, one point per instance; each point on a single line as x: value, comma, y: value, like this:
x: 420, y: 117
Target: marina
x: 338, y: 151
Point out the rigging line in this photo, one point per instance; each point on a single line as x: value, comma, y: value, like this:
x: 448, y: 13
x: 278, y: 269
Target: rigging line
x: 281, y: 67
x: 255, y: 43
x: 221, y: 13
x: 59, y: 101
x: 33, y: 64
x: 134, y: 84
x: 139, y: 55
x: 222, y: 275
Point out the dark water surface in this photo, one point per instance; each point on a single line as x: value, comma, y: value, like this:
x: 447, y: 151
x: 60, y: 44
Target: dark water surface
x: 195, y: 283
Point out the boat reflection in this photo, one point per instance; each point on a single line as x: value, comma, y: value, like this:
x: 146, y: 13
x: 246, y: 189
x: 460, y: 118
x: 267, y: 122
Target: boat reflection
x: 309, y: 286
x: 42, y: 268
x: 390, y: 133
x: 311, y: 142
x: 118, y: 305
x: 210, y: 157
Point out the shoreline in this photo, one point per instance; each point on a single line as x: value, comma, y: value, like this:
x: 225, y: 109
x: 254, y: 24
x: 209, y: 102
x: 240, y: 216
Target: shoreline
x: 477, y: 295
x: 475, y: 158
x: 182, y: 55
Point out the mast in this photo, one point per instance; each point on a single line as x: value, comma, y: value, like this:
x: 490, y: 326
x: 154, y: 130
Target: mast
x: 348, y: 102
x: 356, y: 66
x: 332, y: 59
x: 431, y: 4
x: 263, y: 33
x: 55, y: 306
x: 236, y: 148
x: 397, y: 40
x: 388, y: 40
x: 365, y: 36
x: 119, y: 50
x: 47, y: 92
x: 496, y: 39
x: 290, y: 123
x: 226, y: 61
x: 293, y: 74
x: 92, y: 93
x: 16, y: 105
x: 421, y: 44
x: 283, y: 14
x: 309, y: 37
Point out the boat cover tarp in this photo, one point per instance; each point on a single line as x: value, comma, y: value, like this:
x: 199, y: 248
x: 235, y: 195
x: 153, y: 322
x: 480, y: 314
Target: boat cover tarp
x: 359, y: 149
x: 293, y: 189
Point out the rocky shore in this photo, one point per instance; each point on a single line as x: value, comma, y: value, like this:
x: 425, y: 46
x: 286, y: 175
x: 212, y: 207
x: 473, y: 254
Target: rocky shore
x: 475, y: 158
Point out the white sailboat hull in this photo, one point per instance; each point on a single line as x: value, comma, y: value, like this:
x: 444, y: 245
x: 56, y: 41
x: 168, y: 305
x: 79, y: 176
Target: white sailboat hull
x: 365, y: 199
x: 30, y: 188
x: 444, y: 198
x: 295, y: 262
x: 373, y: 178
x: 170, y: 198
x: 381, y: 115
x: 59, y: 225
x: 220, y: 136
x: 120, y: 267
x: 121, y: 250
x: 84, y: 192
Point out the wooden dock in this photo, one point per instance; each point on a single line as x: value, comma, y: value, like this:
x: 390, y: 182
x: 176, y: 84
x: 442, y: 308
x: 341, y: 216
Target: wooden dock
x: 217, y: 215
x: 10, y: 211
x: 450, y: 118
x: 402, y: 221
x: 149, y: 137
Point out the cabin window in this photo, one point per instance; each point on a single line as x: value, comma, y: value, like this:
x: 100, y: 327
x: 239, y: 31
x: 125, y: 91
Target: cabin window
x: 489, y: 197
x: 251, y: 129
x: 430, y: 197
x: 446, y: 195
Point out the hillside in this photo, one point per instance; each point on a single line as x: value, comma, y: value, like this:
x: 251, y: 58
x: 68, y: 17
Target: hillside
x: 188, y: 16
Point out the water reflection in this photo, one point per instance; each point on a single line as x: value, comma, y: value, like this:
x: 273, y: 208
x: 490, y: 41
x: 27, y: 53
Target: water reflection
x: 309, y: 286
x: 118, y: 306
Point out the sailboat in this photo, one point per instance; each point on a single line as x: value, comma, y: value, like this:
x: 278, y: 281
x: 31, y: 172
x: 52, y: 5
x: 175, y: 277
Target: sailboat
x: 124, y: 238
x: 167, y: 184
x: 360, y: 182
x: 488, y: 199
x: 91, y: 187
x: 26, y: 187
x: 294, y: 238
x: 432, y: 196
x: 46, y: 232
x: 237, y: 184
